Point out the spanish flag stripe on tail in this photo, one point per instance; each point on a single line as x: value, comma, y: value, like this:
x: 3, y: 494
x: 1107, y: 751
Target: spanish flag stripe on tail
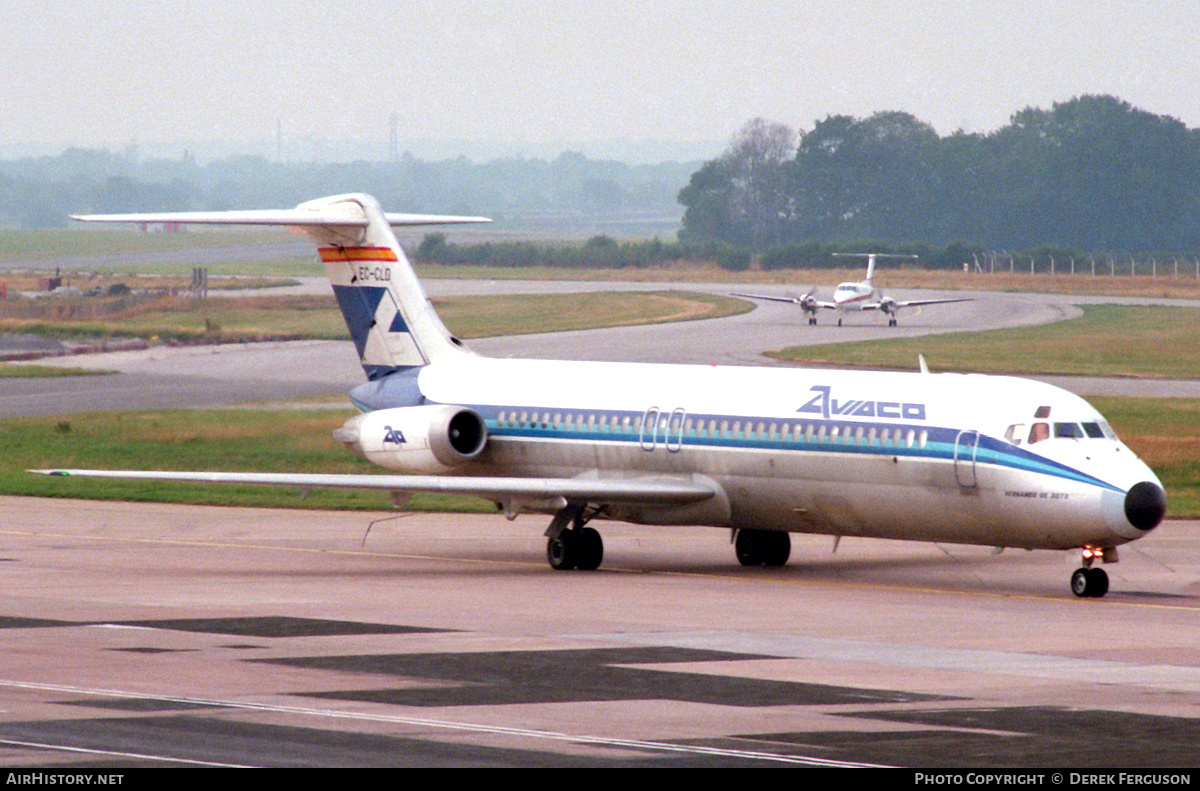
x: 357, y: 254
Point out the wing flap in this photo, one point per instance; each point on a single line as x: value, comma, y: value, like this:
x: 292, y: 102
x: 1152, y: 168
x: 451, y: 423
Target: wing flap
x: 639, y: 491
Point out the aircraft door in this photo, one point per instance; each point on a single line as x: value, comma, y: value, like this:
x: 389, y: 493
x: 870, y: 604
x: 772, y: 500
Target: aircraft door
x: 674, y: 438
x: 659, y: 427
x: 965, y: 447
x: 648, y: 433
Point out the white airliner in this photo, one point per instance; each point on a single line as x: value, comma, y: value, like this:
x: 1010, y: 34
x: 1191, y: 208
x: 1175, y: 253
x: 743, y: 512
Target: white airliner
x: 970, y: 459
x: 857, y: 296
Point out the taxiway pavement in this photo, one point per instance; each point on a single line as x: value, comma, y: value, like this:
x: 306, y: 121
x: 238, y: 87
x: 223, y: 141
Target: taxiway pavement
x: 162, y: 635
x: 165, y: 377
x: 167, y: 635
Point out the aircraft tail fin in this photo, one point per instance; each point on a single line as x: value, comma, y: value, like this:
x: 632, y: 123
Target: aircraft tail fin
x: 385, y: 308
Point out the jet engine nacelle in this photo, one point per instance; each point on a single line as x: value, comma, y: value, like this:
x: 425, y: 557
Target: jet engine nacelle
x: 423, y: 440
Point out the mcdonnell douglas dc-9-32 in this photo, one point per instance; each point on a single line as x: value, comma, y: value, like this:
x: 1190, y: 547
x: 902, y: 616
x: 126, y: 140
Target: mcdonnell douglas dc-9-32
x: 857, y: 296
x: 763, y: 452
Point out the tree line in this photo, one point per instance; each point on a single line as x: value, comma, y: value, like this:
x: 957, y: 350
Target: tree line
x: 44, y: 191
x: 605, y: 252
x: 1092, y: 174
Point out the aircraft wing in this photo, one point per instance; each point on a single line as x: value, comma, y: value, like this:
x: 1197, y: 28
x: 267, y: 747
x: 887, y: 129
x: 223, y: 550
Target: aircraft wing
x: 889, y: 305
x: 802, y: 301
x: 914, y: 303
x: 639, y: 491
x: 793, y: 300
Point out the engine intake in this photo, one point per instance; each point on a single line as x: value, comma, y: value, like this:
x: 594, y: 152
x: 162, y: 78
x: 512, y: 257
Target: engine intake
x: 417, y: 439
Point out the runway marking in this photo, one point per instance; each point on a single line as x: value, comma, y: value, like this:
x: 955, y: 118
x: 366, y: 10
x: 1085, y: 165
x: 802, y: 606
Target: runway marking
x: 1175, y: 678
x: 426, y: 722
x: 119, y: 754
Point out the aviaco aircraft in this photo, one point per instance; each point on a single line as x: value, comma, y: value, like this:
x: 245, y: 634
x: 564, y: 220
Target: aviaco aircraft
x: 763, y: 452
x: 857, y: 296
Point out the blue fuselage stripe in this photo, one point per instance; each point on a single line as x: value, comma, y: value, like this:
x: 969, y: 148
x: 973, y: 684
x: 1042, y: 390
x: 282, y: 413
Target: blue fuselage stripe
x: 853, y: 437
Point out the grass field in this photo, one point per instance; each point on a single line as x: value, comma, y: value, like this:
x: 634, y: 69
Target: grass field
x: 239, y: 253
x: 318, y: 317
x: 25, y: 371
x: 32, y: 246
x: 262, y: 440
x: 1164, y: 432
x: 1108, y: 340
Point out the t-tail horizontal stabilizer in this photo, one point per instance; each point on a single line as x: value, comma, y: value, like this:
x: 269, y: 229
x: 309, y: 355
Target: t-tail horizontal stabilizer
x: 382, y: 302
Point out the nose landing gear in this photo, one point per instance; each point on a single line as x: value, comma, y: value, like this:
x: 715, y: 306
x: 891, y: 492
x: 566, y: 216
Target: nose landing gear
x: 1089, y: 582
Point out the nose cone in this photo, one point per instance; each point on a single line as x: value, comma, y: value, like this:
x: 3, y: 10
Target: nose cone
x: 1145, y: 505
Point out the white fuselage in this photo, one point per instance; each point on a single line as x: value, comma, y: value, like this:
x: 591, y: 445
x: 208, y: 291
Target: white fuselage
x: 895, y: 455
x: 855, y: 296
x: 969, y: 459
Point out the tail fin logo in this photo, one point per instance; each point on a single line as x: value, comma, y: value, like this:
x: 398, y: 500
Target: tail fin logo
x: 362, y: 279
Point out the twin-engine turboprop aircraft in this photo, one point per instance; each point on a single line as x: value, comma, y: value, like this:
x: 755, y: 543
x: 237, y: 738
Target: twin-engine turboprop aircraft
x: 857, y: 296
x: 968, y: 459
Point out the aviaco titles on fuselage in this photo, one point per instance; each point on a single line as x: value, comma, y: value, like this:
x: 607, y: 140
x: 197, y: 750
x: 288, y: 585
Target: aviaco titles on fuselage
x: 764, y: 452
x: 857, y: 296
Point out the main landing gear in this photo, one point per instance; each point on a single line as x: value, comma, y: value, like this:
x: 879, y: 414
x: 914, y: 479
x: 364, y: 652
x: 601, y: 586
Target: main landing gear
x: 1089, y: 582
x: 572, y: 545
x: 762, y: 547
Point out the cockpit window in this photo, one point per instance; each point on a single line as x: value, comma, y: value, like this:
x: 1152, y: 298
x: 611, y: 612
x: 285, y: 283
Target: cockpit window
x: 1042, y: 412
x: 1096, y: 429
x: 1068, y: 431
x: 1015, y: 433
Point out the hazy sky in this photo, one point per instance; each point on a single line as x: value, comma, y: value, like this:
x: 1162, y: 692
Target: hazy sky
x: 107, y: 73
